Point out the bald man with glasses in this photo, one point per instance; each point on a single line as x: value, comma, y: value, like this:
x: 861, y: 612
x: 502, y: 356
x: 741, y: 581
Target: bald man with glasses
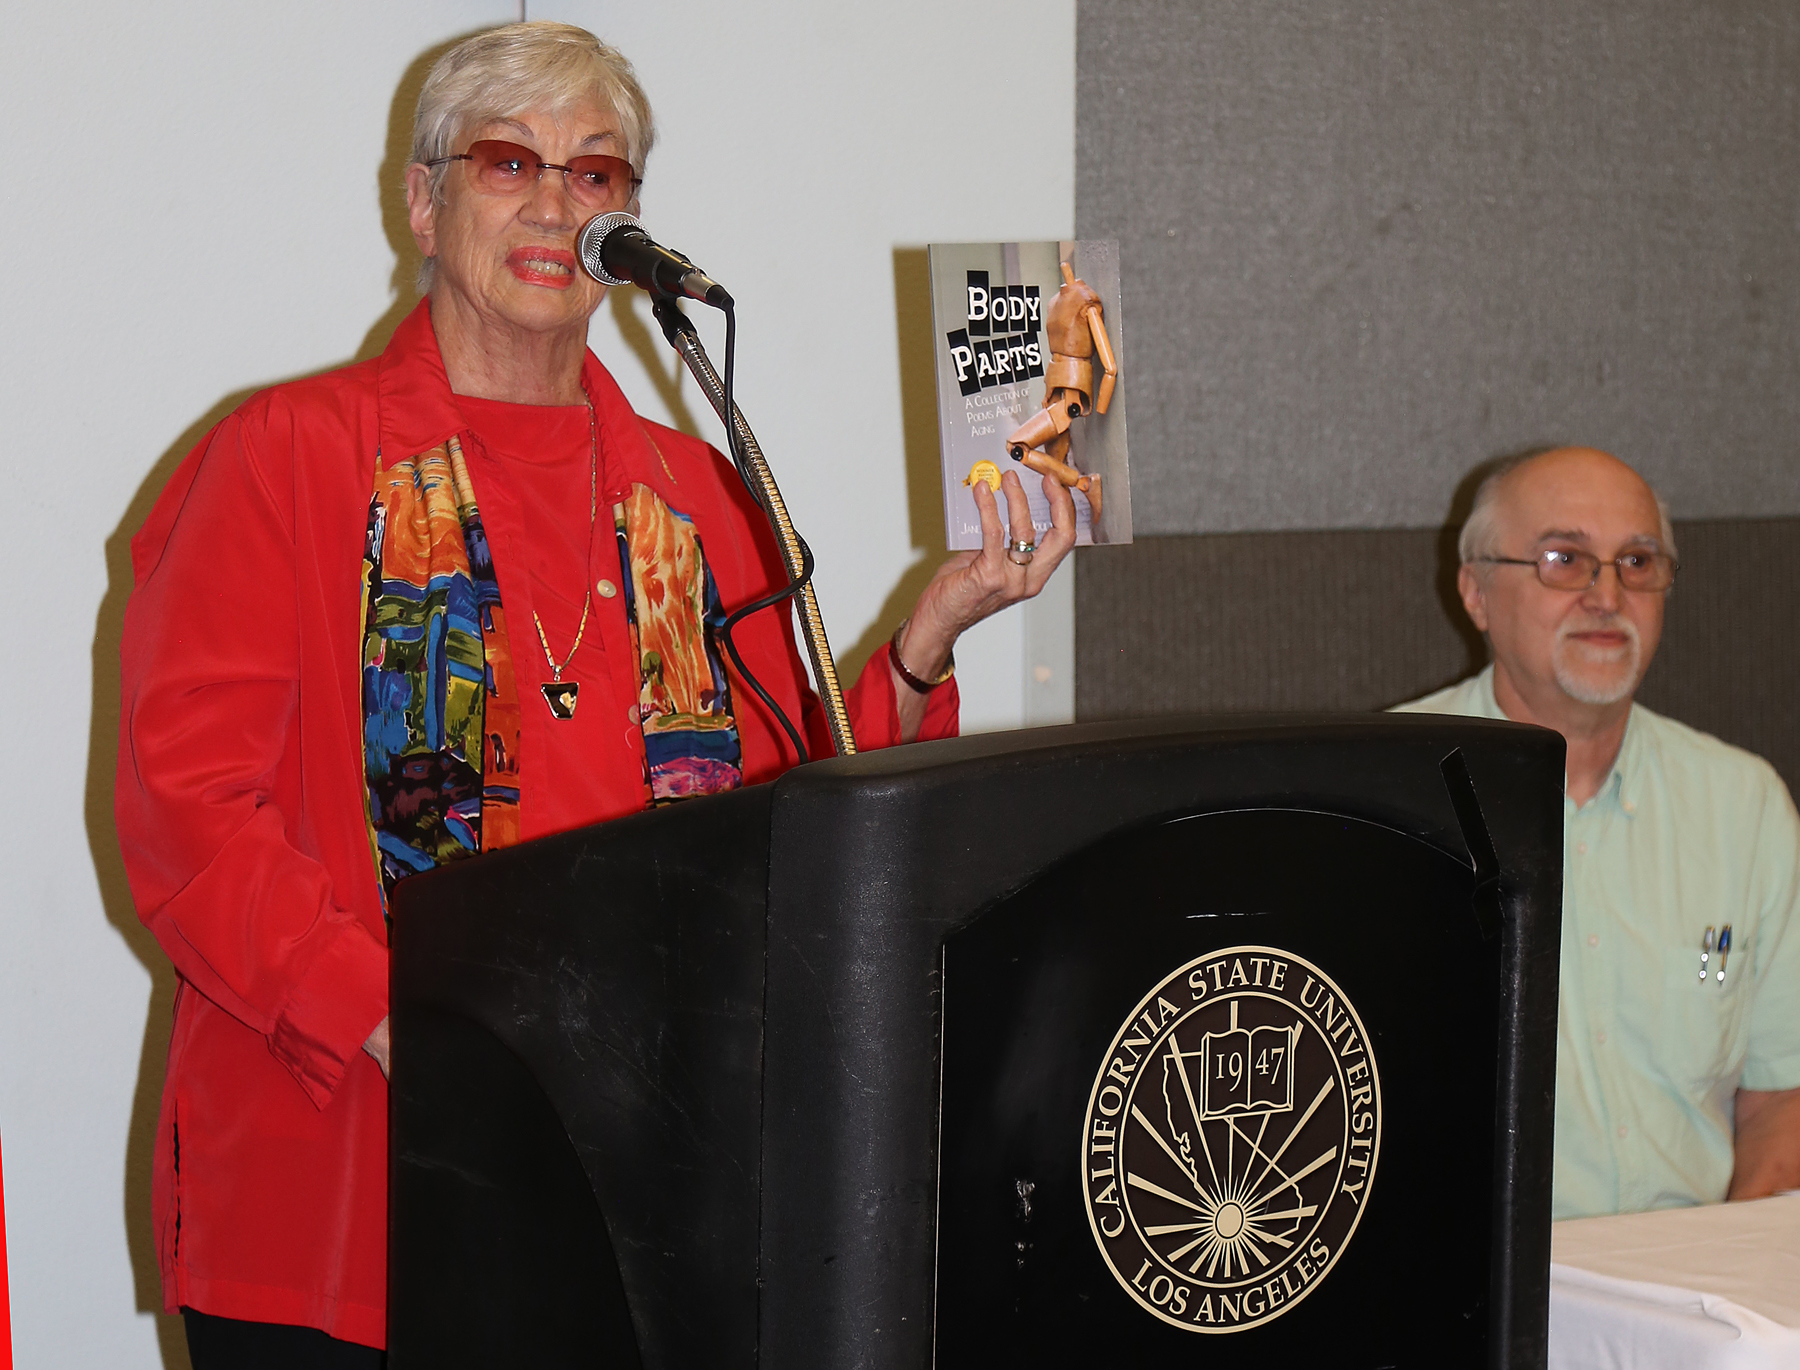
x: 1678, y: 1044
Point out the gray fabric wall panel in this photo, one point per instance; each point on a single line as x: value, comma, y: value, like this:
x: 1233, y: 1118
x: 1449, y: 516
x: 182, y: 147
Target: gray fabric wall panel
x: 1730, y: 659
x: 1231, y: 623
x: 1244, y: 622
x: 1366, y: 246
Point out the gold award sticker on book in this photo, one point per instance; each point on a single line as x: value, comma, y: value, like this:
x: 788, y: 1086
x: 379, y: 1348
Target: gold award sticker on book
x: 1231, y: 1139
x: 984, y: 471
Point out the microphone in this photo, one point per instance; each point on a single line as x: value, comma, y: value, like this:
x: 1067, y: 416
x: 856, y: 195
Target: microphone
x: 616, y: 251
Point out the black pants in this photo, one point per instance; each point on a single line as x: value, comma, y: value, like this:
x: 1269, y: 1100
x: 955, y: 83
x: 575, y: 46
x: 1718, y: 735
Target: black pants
x: 228, y: 1344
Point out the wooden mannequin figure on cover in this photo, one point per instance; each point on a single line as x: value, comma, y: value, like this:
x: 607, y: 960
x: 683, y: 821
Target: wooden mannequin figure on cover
x: 1075, y: 330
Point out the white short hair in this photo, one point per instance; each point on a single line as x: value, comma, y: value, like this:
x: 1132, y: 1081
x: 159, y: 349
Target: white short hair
x: 1480, y: 536
x: 539, y: 65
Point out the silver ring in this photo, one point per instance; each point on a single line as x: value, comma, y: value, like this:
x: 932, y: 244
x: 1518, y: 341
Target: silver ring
x: 1013, y: 556
x: 1020, y: 545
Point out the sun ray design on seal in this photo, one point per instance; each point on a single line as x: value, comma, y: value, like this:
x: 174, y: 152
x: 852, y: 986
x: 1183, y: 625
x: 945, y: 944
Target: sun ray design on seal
x: 1236, y: 1212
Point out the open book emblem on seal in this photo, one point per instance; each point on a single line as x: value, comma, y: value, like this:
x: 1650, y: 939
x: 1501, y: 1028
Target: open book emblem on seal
x: 1231, y: 1139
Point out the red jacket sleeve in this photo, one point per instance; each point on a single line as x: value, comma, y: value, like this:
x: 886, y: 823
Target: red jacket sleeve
x: 874, y: 711
x: 207, y: 796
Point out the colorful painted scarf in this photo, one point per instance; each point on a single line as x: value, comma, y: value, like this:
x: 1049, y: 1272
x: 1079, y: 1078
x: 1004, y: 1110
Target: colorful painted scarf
x: 440, y: 703
x: 440, y: 707
x: 684, y: 701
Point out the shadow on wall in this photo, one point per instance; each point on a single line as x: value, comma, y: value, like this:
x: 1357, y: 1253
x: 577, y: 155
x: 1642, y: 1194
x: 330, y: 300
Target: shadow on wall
x: 103, y: 740
x: 643, y: 335
x: 919, y: 427
x: 115, y: 893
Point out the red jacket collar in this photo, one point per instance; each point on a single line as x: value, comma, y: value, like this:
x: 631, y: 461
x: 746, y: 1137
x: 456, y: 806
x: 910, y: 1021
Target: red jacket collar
x: 418, y: 409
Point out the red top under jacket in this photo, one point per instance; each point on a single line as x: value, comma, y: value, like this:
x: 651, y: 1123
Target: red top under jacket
x: 239, y: 794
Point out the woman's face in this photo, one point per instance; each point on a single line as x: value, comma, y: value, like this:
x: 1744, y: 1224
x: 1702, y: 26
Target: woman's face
x: 511, y: 258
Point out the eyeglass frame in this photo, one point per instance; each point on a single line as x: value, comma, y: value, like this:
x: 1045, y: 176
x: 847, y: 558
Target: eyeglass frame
x: 542, y: 167
x: 1537, y: 564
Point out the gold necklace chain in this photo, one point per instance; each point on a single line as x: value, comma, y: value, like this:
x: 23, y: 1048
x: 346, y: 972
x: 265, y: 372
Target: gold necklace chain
x: 587, y: 602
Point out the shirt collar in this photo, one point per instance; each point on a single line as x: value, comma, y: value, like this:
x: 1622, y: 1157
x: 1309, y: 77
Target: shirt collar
x: 1627, y: 778
x: 418, y: 409
x: 1485, y: 703
x: 1623, y: 783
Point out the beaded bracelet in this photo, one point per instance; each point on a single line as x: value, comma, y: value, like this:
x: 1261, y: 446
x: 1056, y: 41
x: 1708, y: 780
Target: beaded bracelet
x: 922, y: 686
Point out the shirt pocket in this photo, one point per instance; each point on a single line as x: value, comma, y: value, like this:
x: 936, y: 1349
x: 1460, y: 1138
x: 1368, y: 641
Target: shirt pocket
x: 1698, y: 1038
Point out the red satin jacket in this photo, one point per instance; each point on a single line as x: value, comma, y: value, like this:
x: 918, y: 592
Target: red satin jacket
x: 239, y: 802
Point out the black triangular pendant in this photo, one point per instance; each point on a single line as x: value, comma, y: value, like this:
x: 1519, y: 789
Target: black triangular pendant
x: 560, y: 696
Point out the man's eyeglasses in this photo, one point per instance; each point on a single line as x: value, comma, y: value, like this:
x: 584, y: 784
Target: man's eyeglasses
x: 502, y: 168
x: 1567, y: 568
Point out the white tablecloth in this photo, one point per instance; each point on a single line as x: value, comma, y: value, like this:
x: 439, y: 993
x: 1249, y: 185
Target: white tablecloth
x: 1682, y: 1289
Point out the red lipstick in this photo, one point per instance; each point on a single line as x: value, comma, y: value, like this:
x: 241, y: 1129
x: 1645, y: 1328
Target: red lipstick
x: 546, y: 266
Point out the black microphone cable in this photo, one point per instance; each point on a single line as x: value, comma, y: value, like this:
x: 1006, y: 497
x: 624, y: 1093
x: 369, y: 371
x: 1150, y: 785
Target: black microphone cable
x: 741, y: 461
x: 694, y: 283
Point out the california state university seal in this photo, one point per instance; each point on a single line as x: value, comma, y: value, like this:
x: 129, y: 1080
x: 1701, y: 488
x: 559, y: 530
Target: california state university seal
x: 1231, y: 1139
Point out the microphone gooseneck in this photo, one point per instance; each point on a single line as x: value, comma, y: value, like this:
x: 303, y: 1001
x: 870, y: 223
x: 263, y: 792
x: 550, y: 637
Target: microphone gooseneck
x: 615, y: 250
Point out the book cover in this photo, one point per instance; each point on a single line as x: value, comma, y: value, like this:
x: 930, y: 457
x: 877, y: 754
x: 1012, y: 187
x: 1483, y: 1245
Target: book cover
x: 1031, y: 378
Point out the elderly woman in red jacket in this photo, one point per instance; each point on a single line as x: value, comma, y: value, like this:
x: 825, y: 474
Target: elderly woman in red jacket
x: 430, y: 605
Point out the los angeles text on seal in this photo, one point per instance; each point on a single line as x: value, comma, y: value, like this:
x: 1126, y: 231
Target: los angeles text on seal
x: 1231, y: 1139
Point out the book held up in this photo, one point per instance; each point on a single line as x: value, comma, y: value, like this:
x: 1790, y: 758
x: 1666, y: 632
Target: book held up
x: 1031, y: 378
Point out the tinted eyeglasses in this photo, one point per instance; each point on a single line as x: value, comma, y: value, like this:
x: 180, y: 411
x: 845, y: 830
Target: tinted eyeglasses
x: 501, y: 168
x: 1569, y: 568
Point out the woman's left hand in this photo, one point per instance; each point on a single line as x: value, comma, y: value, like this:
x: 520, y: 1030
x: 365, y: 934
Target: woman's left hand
x: 972, y: 585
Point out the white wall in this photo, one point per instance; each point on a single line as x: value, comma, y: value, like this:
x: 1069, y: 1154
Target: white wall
x: 213, y: 210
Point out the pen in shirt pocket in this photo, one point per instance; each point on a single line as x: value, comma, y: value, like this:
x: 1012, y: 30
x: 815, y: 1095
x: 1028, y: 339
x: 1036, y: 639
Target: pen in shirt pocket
x: 1706, y: 946
x: 1724, y: 949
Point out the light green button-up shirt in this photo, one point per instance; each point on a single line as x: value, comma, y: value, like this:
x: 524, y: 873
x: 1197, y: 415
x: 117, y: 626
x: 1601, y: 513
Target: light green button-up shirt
x: 1686, y: 833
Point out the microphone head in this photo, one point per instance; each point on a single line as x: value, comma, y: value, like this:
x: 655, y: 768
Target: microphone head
x: 593, y: 238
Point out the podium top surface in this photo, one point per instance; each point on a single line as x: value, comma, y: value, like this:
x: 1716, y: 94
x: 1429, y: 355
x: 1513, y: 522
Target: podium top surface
x: 1197, y: 730
x: 1387, y: 768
